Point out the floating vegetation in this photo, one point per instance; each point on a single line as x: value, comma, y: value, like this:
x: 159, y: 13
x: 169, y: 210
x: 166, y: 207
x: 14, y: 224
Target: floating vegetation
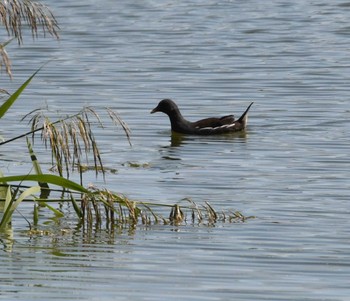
x: 85, y: 168
x: 134, y: 164
x: 5, y: 61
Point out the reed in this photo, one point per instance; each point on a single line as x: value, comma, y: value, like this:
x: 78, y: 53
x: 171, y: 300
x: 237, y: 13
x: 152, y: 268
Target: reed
x: 72, y: 144
x: 16, y: 15
x: 71, y: 139
x: 95, y: 207
x: 5, y: 60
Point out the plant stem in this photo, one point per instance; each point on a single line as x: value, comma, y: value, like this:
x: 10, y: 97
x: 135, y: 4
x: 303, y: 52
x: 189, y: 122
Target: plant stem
x: 37, y: 130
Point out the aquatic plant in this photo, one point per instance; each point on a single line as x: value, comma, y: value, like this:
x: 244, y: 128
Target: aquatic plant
x: 70, y: 140
x: 72, y: 144
x: 18, y: 14
x: 5, y: 60
x: 95, y: 207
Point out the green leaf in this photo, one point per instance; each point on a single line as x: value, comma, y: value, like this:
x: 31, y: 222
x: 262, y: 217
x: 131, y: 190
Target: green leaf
x: 48, y: 178
x: 6, y: 218
x: 45, y: 192
x: 76, y: 207
x: 34, y: 159
x: 3, y: 189
x: 8, y: 199
x: 25, y: 194
x: 9, y: 102
x: 55, y: 211
x: 36, y: 214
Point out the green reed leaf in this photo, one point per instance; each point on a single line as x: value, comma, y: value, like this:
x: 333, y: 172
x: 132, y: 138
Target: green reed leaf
x: 76, y: 207
x: 46, y: 178
x: 36, y: 214
x: 10, y: 101
x: 55, y: 211
x: 6, y: 218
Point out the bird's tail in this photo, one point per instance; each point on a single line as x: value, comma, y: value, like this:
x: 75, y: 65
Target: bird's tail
x: 244, y: 118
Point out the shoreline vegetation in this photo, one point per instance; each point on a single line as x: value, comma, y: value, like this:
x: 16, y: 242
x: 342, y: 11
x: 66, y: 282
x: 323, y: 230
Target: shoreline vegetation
x: 70, y: 139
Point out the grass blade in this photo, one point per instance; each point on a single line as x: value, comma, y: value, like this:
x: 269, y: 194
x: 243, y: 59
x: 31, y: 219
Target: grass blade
x: 9, y: 102
x: 55, y: 211
x: 48, y: 178
x: 76, y: 207
x: 8, y: 198
x: 3, y: 189
x: 12, y: 207
x: 36, y: 215
x: 45, y: 192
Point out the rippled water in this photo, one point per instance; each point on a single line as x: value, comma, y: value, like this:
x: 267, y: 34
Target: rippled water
x: 290, y: 169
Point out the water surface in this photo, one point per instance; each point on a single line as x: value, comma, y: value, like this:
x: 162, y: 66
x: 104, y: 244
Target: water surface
x: 290, y: 169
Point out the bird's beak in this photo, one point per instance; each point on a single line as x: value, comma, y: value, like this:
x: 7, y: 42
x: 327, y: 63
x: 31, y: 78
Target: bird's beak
x: 154, y: 110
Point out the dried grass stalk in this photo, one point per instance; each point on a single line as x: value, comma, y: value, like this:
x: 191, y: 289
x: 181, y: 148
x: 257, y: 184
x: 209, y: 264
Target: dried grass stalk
x: 3, y: 93
x: 15, y: 13
x: 117, y: 120
x: 71, y: 141
x: 18, y: 14
x: 176, y: 215
x: 5, y: 61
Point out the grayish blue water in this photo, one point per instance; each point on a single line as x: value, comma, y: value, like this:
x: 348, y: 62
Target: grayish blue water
x: 290, y: 170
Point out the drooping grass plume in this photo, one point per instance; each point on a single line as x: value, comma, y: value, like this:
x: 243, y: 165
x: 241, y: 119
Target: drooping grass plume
x: 117, y: 120
x: 71, y: 139
x: 5, y: 59
x: 15, y: 15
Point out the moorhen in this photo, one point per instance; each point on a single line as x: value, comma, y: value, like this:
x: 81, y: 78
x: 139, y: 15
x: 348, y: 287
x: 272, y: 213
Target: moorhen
x: 207, y: 126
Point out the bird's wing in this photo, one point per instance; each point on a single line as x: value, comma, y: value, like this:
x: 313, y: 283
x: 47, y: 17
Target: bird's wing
x: 214, y: 122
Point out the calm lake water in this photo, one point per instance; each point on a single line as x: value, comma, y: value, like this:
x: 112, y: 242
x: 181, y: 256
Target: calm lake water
x: 290, y: 170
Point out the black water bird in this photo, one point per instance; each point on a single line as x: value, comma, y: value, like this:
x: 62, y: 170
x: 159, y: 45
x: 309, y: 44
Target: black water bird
x: 207, y: 126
